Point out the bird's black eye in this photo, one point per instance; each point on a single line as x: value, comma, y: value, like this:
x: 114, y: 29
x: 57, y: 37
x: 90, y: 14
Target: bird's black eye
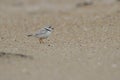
x: 53, y: 28
x: 49, y: 26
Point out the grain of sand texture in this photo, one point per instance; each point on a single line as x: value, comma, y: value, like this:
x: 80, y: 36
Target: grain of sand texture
x: 85, y: 43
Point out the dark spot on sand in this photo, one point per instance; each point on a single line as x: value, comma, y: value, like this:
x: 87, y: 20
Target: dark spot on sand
x: 2, y: 37
x: 49, y: 45
x: 2, y: 54
x: 15, y: 40
x: 86, y: 3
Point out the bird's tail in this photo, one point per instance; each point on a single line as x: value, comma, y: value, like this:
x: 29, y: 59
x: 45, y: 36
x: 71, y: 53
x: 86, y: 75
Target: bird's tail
x: 29, y: 35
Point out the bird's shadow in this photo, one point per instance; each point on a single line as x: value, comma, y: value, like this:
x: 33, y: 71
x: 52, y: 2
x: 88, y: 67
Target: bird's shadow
x: 10, y: 55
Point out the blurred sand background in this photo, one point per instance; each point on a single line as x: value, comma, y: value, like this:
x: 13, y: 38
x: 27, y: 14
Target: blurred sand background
x: 85, y: 44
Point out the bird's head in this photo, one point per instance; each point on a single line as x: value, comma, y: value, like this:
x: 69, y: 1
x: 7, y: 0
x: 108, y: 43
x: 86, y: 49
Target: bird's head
x: 49, y: 28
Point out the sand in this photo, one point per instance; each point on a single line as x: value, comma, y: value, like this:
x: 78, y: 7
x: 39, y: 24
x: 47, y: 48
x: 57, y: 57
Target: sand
x: 85, y: 43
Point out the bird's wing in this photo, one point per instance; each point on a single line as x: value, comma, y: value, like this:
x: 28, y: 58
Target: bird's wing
x: 40, y: 32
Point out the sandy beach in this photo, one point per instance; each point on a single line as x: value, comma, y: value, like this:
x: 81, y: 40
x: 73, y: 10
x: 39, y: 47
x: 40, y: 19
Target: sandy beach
x: 85, y: 43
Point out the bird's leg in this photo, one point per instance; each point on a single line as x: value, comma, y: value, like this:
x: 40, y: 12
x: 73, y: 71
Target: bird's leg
x: 41, y: 40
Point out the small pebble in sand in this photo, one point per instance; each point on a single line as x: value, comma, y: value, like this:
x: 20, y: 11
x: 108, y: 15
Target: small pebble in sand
x: 49, y: 45
x: 85, y: 3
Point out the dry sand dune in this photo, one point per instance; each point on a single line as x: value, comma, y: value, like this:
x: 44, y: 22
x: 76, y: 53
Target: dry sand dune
x: 85, y: 44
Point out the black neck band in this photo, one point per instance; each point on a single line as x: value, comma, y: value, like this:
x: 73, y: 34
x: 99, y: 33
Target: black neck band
x: 47, y: 29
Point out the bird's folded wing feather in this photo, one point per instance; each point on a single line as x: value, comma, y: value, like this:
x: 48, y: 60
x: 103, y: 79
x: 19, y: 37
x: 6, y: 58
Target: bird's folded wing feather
x: 40, y: 32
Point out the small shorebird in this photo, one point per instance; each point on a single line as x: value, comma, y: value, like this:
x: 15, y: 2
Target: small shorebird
x: 43, y: 33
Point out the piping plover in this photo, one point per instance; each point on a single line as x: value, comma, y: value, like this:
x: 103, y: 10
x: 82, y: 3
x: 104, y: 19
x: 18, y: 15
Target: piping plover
x: 43, y: 33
